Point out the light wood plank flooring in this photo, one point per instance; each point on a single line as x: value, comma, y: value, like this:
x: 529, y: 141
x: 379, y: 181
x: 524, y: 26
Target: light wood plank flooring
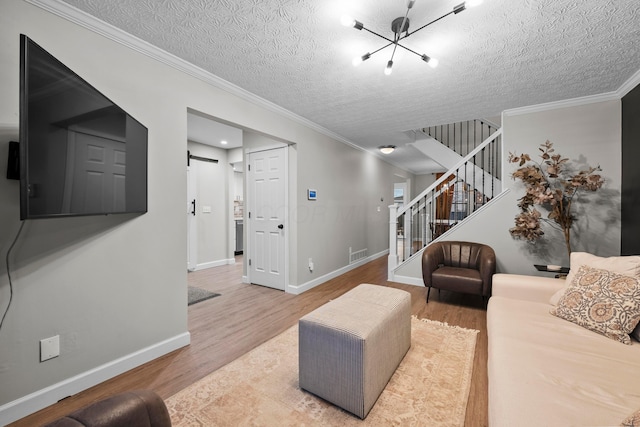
x: 244, y: 316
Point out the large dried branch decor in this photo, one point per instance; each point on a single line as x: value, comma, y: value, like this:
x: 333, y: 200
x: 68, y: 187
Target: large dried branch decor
x: 551, y: 185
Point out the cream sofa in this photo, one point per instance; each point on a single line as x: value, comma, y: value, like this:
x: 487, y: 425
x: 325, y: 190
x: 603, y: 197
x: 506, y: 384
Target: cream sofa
x: 546, y: 371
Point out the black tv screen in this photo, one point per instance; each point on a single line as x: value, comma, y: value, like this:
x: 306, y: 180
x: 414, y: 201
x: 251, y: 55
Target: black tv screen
x: 80, y: 154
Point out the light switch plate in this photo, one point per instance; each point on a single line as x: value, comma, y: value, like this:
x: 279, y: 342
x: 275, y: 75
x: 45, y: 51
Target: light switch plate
x: 49, y: 348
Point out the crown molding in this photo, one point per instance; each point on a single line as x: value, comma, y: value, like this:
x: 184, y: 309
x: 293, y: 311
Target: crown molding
x: 566, y: 103
x: 629, y: 85
x: 626, y: 87
x: 85, y: 20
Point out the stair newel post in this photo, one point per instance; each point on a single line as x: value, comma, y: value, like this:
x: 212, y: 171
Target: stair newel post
x: 392, y: 262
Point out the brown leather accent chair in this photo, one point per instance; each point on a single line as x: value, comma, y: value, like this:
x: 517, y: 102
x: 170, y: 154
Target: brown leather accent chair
x: 141, y: 408
x: 459, y: 266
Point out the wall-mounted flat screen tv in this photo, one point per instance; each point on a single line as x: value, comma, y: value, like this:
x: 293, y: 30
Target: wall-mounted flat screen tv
x: 80, y: 154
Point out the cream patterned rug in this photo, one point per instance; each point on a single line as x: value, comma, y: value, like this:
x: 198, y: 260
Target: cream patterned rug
x: 429, y: 388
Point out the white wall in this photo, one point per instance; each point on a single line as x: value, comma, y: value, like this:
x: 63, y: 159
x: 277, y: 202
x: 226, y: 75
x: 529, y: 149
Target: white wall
x: 353, y: 192
x: 586, y: 134
x: 114, y: 288
x: 238, y: 186
x: 422, y: 182
x: 235, y: 155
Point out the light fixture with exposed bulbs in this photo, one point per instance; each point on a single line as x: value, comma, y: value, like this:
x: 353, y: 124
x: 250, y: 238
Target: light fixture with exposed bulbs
x: 398, y: 26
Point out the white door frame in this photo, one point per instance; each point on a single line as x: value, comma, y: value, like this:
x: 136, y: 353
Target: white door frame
x: 192, y: 223
x: 249, y: 203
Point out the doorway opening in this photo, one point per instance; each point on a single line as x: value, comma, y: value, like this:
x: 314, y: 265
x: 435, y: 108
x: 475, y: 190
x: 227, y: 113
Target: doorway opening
x: 215, y: 192
x: 234, y: 243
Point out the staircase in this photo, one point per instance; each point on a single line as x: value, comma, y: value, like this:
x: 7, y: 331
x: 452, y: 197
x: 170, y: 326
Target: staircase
x: 472, y: 152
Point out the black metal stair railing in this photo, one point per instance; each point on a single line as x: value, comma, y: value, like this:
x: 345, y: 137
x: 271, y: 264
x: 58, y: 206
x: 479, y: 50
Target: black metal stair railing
x: 461, y: 137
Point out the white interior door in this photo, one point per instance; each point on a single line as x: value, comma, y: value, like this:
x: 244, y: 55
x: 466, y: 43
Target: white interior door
x: 192, y: 229
x: 267, y: 189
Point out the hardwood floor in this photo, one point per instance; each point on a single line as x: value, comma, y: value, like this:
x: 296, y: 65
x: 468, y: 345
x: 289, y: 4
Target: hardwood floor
x: 244, y: 316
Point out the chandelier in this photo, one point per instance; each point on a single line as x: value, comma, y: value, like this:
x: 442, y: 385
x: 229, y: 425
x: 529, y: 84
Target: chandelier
x: 399, y: 26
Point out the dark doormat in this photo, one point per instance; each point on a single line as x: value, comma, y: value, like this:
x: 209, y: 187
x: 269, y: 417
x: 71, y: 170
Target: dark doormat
x: 196, y: 295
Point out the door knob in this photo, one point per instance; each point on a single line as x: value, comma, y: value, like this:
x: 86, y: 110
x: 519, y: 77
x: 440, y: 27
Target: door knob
x: 280, y: 226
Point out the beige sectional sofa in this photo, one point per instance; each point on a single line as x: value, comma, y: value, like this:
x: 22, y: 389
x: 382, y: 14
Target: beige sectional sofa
x: 547, y: 371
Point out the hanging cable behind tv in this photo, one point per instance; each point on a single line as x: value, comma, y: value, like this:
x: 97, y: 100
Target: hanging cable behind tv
x: 7, y: 260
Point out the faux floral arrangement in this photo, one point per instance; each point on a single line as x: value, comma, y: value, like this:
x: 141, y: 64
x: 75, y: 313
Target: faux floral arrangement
x: 552, y: 186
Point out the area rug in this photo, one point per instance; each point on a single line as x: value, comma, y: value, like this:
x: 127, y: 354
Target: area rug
x: 429, y: 388
x: 197, y: 295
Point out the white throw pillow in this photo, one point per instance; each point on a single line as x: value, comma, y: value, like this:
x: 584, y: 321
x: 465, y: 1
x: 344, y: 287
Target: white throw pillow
x: 627, y: 265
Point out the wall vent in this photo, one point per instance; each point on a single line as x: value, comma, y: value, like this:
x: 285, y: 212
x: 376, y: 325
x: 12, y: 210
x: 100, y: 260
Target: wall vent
x: 357, y: 255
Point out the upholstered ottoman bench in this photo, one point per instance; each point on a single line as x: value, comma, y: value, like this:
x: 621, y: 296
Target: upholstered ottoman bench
x: 350, y: 347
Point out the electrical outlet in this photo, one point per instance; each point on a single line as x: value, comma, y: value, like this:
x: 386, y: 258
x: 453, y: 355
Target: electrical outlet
x: 310, y: 264
x: 49, y: 348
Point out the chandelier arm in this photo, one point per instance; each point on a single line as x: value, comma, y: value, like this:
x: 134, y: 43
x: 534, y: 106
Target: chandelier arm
x: 379, y: 35
x: 383, y: 47
x: 397, y: 37
x: 404, y: 21
x: 426, y: 25
x: 412, y: 51
x: 395, y: 46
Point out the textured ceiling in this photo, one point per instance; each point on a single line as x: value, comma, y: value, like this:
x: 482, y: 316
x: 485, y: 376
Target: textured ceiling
x: 296, y: 54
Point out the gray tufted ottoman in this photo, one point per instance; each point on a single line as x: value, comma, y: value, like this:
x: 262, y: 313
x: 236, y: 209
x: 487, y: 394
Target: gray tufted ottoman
x: 350, y: 347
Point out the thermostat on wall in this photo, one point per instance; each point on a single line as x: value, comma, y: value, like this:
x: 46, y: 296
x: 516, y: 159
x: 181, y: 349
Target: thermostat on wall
x: 311, y: 194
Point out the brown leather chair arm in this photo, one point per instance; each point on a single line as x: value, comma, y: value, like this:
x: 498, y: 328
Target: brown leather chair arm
x: 432, y: 257
x: 142, y: 408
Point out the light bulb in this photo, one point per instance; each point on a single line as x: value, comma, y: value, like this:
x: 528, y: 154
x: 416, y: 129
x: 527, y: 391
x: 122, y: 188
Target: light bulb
x: 360, y: 59
x: 473, y: 3
x: 433, y: 62
x: 347, y: 21
x: 389, y: 68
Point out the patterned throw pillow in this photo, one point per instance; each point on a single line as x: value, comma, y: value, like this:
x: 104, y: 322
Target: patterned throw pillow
x: 629, y: 265
x: 602, y: 301
x: 632, y: 420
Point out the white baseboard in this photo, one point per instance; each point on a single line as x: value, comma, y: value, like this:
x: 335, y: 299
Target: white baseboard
x: 40, y: 399
x: 297, y: 290
x: 407, y: 280
x: 212, y: 264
